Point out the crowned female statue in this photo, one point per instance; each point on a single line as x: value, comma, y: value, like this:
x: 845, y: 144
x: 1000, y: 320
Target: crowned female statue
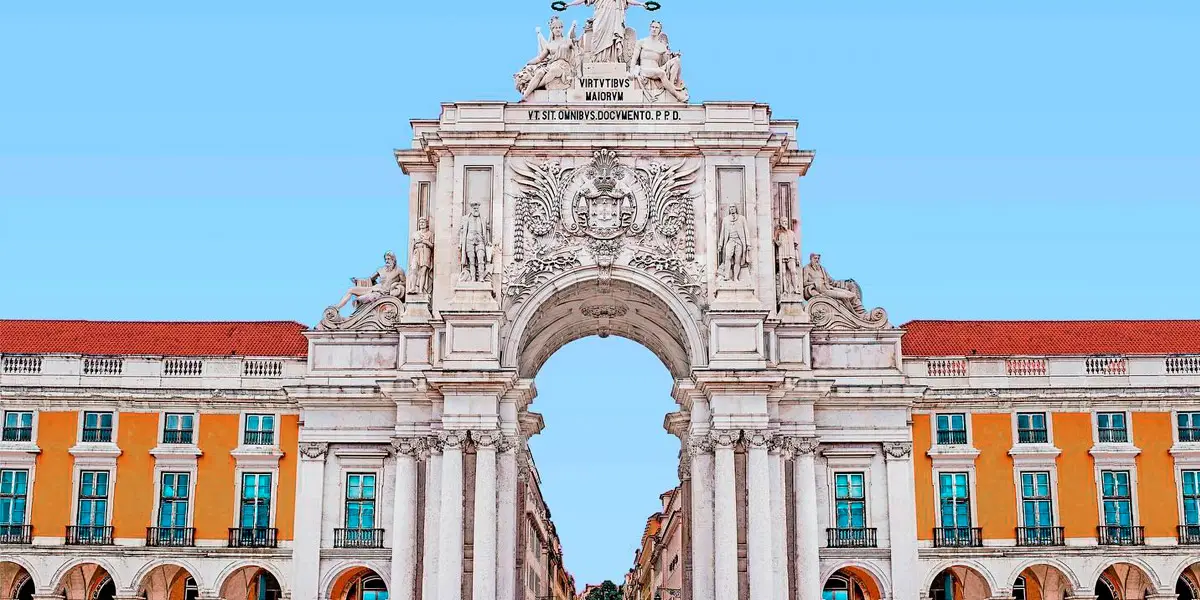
x: 606, y: 41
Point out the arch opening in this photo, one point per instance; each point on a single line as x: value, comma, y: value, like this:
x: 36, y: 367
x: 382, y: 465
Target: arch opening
x: 87, y: 581
x: 851, y: 583
x: 251, y: 583
x: 1124, y: 581
x: 15, y: 581
x: 169, y: 582
x: 1042, y: 582
x: 358, y: 583
x: 960, y: 583
x: 1187, y: 585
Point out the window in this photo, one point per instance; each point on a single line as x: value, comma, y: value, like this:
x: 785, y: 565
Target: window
x: 14, y: 492
x: 1031, y: 428
x: 97, y: 426
x: 1035, y: 500
x: 1189, y: 427
x: 1118, y: 502
x: 260, y: 430
x: 955, y: 500
x: 18, y: 426
x: 93, y: 499
x: 256, y: 501
x: 1191, y: 498
x: 1111, y: 428
x: 173, y: 499
x: 190, y: 590
x: 372, y: 589
x: 178, y: 428
x: 1018, y: 591
x: 360, y: 504
x: 952, y: 429
x: 851, y: 501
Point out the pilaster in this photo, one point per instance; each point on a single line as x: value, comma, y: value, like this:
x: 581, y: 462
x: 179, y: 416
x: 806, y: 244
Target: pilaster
x: 306, y: 548
x: 808, y: 538
x: 902, y: 518
x: 404, y: 519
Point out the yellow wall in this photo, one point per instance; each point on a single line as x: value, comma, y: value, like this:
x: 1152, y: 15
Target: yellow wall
x: 1076, y: 474
x: 51, y: 510
x: 285, y: 514
x: 923, y: 468
x: 215, y: 473
x: 133, y: 497
x: 996, y: 492
x: 1157, y: 497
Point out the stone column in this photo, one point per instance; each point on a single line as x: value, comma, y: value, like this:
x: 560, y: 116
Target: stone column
x: 506, y: 520
x: 902, y: 519
x: 779, y: 552
x: 701, y: 450
x: 725, y: 556
x: 808, y: 538
x: 433, y: 511
x: 450, y: 531
x: 404, y: 518
x: 759, y: 542
x: 306, y: 548
x: 484, y: 572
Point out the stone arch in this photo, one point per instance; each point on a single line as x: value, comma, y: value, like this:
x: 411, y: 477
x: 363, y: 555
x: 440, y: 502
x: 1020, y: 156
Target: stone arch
x: 247, y: 569
x: 1131, y: 577
x: 159, y: 578
x: 632, y: 304
x: 1047, y: 579
x: 1189, y: 565
x: 14, y: 571
x: 969, y: 574
x: 871, y: 578
x: 84, y: 574
x: 340, y: 578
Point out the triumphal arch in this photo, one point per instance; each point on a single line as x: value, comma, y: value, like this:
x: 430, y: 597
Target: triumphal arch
x: 606, y: 202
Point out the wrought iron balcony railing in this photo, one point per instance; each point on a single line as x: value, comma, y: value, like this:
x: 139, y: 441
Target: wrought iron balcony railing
x: 16, y: 534
x: 97, y: 434
x: 174, y: 537
x: 1033, y: 436
x: 1040, y: 536
x: 18, y: 434
x: 259, y: 438
x: 357, y: 538
x: 253, y: 537
x: 851, y: 537
x: 1110, y: 435
x: 177, y: 436
x: 1121, y: 535
x: 89, y: 535
x: 1189, y: 534
x: 952, y: 438
x: 957, y: 537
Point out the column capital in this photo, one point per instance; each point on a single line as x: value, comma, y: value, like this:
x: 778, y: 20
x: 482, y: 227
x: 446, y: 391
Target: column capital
x: 756, y: 438
x: 798, y: 445
x: 724, y: 439
x: 700, y: 443
x: 485, y: 439
x: 897, y: 450
x: 413, y: 446
x: 507, y: 443
x: 313, y: 450
x: 452, y: 439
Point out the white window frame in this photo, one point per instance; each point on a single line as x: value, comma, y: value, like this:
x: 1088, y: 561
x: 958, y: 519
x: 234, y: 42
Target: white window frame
x: 159, y: 470
x: 33, y: 433
x: 1053, y: 479
x: 971, y: 489
x: 1131, y: 468
x: 848, y: 460
x: 345, y: 487
x: 1175, y: 425
x: 1128, y: 426
x: 966, y: 423
x: 276, y: 434
x: 116, y: 424
x: 162, y: 426
x: 833, y: 499
x: 78, y: 479
x: 1016, y: 431
x: 1179, y: 489
x: 237, y: 502
x: 29, y: 489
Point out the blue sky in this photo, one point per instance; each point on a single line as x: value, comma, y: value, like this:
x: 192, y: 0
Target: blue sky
x: 232, y: 160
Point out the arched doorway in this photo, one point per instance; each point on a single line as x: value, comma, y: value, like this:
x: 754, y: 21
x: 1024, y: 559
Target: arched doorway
x: 1124, y: 581
x: 358, y: 583
x: 251, y: 583
x: 88, y: 581
x: 169, y: 582
x: 1187, y: 587
x: 959, y: 583
x: 851, y: 583
x: 15, y: 582
x: 1042, y: 582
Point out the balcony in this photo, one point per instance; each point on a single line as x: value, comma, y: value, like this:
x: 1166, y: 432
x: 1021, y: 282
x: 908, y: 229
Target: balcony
x: 851, y: 537
x: 97, y: 434
x: 89, y: 535
x: 177, y: 436
x: 16, y: 534
x: 171, y: 537
x: 1109, y: 435
x: 253, y: 537
x: 957, y: 537
x: 1121, y: 535
x: 18, y: 434
x: 1040, y: 536
x: 952, y: 437
x: 1189, y: 535
x: 1033, y: 436
x: 259, y: 438
x: 1189, y: 434
x: 357, y: 538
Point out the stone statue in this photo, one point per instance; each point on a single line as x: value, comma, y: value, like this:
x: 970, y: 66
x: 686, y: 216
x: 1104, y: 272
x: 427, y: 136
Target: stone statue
x: 732, y: 245
x: 656, y: 67
x: 606, y: 40
x: 387, y: 281
x: 817, y: 282
x: 475, y: 246
x: 422, y: 259
x: 555, y: 64
x: 787, y: 256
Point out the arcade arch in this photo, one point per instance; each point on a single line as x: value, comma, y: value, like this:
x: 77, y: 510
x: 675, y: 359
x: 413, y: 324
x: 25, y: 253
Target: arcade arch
x: 1042, y: 582
x: 1124, y: 581
x: 168, y: 581
x: 86, y: 581
x: 851, y: 583
x: 251, y: 582
x: 358, y: 583
x: 16, y: 581
x: 960, y: 582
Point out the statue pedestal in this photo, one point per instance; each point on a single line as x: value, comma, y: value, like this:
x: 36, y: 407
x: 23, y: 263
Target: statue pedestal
x: 474, y: 293
x: 792, y: 309
x: 416, y: 309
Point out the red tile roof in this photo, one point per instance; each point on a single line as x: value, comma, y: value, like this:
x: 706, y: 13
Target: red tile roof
x: 1049, y: 338
x: 271, y: 338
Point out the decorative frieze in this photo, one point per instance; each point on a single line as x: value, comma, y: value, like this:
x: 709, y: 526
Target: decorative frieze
x: 897, y: 450
x: 313, y: 450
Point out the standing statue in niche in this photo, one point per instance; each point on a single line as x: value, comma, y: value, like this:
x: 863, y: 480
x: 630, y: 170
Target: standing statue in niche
x: 475, y: 246
x: 422, y: 259
x: 606, y: 40
x: 787, y: 256
x: 656, y: 67
x: 732, y: 245
x: 389, y: 280
x: 555, y: 64
x: 817, y: 282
